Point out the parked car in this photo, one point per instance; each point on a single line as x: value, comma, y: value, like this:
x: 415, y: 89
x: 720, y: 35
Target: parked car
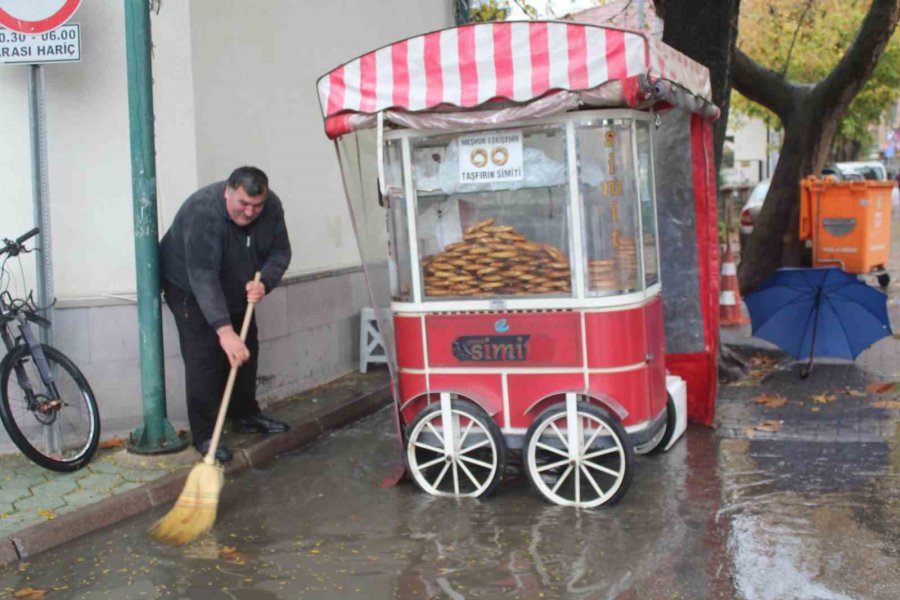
x: 750, y: 211
x: 871, y: 170
x: 750, y: 214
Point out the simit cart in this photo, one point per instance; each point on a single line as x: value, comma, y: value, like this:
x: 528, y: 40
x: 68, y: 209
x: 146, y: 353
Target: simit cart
x: 518, y: 278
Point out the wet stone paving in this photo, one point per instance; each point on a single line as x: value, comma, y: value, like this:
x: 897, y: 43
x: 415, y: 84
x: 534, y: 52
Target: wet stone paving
x: 30, y: 494
x: 716, y: 517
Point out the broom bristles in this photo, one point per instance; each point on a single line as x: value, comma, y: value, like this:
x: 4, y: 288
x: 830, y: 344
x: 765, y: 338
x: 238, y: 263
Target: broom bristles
x: 194, y: 512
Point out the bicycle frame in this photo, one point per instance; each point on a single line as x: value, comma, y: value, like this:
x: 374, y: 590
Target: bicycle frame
x: 21, y: 317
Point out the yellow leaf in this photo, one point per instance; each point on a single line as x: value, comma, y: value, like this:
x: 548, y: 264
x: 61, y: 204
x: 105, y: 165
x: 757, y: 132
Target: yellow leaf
x: 765, y: 427
x: 47, y: 514
x: 113, y: 442
x: 824, y: 398
x: 29, y: 593
x: 855, y: 393
x: 891, y: 404
x: 770, y: 400
x: 230, y: 555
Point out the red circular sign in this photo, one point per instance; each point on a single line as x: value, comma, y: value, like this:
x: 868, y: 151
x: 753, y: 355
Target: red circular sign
x: 36, y: 16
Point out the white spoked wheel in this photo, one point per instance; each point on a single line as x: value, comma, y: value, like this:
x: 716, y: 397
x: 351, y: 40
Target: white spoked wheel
x: 454, y: 448
x: 584, y: 461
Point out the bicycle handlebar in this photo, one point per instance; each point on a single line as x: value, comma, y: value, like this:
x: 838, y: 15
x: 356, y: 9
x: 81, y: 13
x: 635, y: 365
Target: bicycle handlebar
x: 14, y: 246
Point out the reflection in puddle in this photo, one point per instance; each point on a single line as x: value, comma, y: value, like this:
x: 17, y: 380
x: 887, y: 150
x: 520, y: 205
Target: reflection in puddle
x: 810, y: 521
x: 769, y: 562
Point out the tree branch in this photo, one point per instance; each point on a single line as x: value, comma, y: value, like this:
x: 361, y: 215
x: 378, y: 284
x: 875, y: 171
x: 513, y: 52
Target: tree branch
x: 787, y: 61
x: 861, y: 58
x: 524, y: 7
x: 762, y: 85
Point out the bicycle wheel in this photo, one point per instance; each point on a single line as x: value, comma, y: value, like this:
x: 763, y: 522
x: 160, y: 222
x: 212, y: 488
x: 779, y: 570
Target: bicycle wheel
x: 56, y: 426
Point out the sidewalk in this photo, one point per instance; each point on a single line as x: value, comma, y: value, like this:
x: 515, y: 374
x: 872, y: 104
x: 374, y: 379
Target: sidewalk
x: 42, y: 509
x: 839, y: 402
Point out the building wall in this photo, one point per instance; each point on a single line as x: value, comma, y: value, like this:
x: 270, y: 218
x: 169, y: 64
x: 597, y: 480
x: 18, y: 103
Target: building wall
x: 750, y: 151
x: 257, y: 103
x: 230, y: 88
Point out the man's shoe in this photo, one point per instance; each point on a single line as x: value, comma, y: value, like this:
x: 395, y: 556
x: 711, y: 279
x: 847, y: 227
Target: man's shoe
x: 223, y: 454
x: 258, y: 424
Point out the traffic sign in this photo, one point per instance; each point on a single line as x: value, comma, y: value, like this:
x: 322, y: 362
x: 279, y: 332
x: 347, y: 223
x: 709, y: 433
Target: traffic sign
x: 60, y: 45
x: 34, y: 17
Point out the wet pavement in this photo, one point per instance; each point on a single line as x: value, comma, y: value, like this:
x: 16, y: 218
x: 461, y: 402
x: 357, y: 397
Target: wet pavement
x: 713, y: 518
x: 41, y: 509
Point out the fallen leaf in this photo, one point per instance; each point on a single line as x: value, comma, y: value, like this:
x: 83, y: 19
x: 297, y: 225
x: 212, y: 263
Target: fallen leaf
x: 825, y: 398
x: 892, y: 404
x: 761, y: 360
x: 765, y: 427
x: 854, y: 393
x: 230, y: 555
x: 770, y: 400
x: 815, y: 409
x: 29, y: 593
x: 770, y: 426
x: 47, y: 514
x: 880, y: 388
x: 113, y: 442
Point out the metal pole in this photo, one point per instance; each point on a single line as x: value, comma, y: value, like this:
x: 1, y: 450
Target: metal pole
x: 40, y: 186
x: 156, y: 435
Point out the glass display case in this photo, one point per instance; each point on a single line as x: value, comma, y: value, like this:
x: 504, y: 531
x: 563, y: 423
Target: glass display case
x: 492, y: 211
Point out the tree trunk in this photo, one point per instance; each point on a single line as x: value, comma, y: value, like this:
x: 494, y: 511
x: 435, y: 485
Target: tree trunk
x: 809, y: 128
x: 847, y: 150
x: 707, y: 35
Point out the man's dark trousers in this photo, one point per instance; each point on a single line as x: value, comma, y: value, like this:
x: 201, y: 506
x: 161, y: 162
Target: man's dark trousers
x: 206, y: 367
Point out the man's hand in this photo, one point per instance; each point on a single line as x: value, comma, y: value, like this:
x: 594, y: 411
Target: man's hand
x: 255, y: 291
x: 231, y: 343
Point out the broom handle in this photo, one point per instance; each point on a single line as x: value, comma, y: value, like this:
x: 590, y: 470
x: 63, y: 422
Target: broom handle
x: 210, y: 457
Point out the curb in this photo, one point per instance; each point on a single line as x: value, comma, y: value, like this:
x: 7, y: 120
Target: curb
x: 69, y: 526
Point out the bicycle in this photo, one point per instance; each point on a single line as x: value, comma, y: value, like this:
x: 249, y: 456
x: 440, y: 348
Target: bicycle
x: 46, y: 404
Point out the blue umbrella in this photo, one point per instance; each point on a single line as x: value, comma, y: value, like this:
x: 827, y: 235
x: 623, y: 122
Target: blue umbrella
x: 818, y: 312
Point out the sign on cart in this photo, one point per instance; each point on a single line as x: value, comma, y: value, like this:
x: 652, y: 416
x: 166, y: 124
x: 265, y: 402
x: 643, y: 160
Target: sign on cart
x: 491, y: 156
x: 60, y: 45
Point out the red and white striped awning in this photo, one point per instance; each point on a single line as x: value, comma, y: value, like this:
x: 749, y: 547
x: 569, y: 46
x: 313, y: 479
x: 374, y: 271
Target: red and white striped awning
x: 468, y: 66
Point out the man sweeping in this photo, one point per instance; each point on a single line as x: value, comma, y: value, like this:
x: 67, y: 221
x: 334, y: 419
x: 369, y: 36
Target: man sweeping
x: 221, y: 236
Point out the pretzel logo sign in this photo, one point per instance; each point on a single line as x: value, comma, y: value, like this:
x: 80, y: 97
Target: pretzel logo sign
x: 491, y: 156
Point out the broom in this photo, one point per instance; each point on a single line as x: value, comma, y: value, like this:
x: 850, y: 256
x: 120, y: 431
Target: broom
x: 194, y: 512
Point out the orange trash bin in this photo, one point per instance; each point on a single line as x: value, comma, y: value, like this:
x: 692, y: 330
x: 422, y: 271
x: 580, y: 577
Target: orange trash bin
x: 849, y: 223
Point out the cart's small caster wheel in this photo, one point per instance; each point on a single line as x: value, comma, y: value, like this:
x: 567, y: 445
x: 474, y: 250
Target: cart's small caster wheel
x: 593, y: 469
x: 884, y: 280
x: 669, y: 428
x: 470, y: 463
